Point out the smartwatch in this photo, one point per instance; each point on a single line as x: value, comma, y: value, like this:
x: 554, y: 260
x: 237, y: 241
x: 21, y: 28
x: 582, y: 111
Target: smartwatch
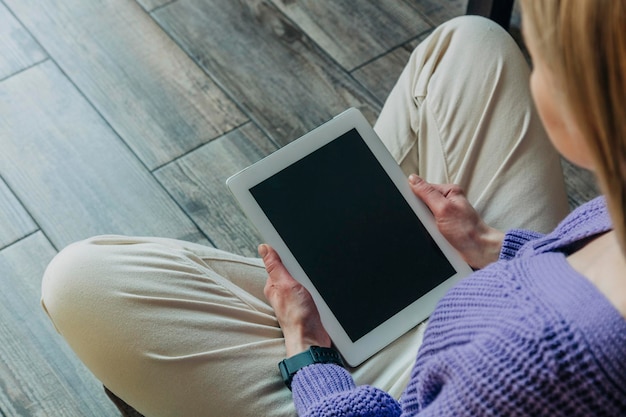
x: 288, y: 367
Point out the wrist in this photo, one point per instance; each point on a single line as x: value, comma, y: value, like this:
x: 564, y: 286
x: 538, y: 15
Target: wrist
x: 299, y: 340
x: 489, y: 246
x: 294, y: 346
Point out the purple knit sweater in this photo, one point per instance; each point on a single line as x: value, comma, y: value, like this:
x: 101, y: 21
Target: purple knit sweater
x: 526, y: 336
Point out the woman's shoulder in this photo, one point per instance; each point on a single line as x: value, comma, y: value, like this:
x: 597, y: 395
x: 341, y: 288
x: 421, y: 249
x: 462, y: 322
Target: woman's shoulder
x: 586, y: 220
x: 589, y: 219
x: 534, y: 321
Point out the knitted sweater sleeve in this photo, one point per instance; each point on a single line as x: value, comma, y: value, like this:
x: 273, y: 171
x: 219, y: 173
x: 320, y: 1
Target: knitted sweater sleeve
x: 329, y: 390
x: 514, y: 240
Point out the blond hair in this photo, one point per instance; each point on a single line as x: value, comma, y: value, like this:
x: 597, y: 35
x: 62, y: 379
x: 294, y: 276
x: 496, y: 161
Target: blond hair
x: 583, y: 43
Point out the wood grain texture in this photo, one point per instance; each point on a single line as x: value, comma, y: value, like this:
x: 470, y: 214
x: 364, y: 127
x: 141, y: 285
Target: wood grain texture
x: 18, y: 50
x: 146, y: 88
x: 580, y: 184
x: 354, y: 33
x: 70, y: 170
x: 275, y: 72
x: 15, y: 222
x: 438, y: 11
x: 150, y: 5
x: 39, y: 375
x: 380, y: 75
x: 198, y: 182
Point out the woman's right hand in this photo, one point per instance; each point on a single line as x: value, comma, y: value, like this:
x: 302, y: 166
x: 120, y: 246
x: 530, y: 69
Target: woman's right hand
x: 293, y: 305
x: 478, y: 243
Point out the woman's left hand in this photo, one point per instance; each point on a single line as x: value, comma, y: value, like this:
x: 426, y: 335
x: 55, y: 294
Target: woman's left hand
x: 459, y: 222
x: 297, y: 315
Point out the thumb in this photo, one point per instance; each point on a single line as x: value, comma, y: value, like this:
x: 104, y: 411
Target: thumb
x: 273, y: 264
x: 427, y: 192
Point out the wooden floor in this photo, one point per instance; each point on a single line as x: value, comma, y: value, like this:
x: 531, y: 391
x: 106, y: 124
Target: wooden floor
x: 126, y: 117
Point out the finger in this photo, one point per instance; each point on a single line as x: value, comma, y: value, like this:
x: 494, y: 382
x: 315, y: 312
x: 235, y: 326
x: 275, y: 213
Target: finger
x: 273, y: 265
x: 270, y: 257
x: 430, y: 194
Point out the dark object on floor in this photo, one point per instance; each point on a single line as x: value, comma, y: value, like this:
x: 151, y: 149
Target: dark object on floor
x: 125, y: 409
x: 496, y: 10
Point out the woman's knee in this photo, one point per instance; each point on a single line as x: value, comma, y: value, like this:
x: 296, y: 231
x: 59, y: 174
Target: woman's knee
x: 470, y: 27
x: 72, y: 280
x: 473, y: 44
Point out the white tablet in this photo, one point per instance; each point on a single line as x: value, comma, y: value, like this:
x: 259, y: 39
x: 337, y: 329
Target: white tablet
x: 340, y: 213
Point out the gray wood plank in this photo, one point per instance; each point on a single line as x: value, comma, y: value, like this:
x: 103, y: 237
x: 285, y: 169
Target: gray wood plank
x: 151, y: 93
x: 150, y: 5
x: 268, y: 65
x: 580, y: 184
x: 439, y: 11
x: 70, y: 170
x: 15, y: 222
x: 380, y: 75
x: 355, y: 33
x: 197, y: 182
x: 18, y: 50
x: 39, y: 375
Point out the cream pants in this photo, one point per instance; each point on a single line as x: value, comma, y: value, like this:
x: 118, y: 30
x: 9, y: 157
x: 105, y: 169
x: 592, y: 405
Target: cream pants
x: 178, y: 329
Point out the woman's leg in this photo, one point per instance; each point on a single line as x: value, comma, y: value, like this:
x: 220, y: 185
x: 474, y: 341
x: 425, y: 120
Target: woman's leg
x: 179, y: 329
x: 157, y: 322
x: 461, y: 112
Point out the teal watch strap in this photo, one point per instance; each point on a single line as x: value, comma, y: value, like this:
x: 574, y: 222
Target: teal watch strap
x: 316, y: 354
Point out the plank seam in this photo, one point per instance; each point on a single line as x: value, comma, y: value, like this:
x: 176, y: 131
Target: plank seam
x: 24, y: 238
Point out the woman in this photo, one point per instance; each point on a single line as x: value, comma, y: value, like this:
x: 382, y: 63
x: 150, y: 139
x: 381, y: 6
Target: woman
x: 539, y: 332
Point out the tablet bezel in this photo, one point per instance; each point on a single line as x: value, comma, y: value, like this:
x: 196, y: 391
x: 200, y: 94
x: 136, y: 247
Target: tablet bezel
x: 354, y: 352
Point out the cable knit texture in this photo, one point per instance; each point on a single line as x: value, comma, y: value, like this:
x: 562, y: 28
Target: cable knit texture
x: 526, y: 336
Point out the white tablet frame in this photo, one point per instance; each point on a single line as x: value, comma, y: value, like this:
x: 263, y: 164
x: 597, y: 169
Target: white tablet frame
x: 240, y: 184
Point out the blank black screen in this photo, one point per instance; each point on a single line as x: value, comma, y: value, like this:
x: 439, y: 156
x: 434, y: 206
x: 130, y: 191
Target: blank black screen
x: 353, y: 233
